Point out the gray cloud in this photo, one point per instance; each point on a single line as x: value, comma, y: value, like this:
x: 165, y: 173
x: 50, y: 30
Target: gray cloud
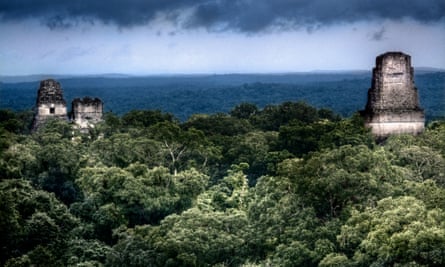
x: 249, y: 16
x: 378, y: 35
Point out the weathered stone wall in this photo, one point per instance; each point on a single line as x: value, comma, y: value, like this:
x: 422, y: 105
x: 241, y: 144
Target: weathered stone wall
x: 393, y: 104
x: 50, y: 102
x: 51, y: 110
x: 86, y: 112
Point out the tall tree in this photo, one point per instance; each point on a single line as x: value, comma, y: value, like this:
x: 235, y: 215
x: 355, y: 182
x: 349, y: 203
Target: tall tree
x: 35, y: 227
x: 331, y: 180
x: 398, y: 231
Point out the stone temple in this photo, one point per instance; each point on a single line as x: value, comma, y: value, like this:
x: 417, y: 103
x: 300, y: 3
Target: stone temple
x: 86, y: 112
x: 50, y: 102
x: 393, y: 103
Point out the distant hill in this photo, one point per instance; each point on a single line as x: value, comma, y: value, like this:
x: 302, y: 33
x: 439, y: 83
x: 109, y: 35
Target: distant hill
x: 427, y: 69
x: 39, y: 77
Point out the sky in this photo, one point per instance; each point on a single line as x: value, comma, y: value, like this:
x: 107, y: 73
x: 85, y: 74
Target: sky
x: 146, y: 37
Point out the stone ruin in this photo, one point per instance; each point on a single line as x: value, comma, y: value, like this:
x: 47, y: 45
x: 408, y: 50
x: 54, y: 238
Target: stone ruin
x: 86, y: 112
x: 50, y: 104
x: 393, y: 103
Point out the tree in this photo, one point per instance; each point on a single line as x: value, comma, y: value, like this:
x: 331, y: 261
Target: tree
x: 230, y: 193
x: 424, y: 162
x: 193, y: 238
x: 398, y: 231
x: 271, y: 117
x: 135, y: 248
x: 58, y: 164
x: 145, y: 118
x: 6, y: 140
x: 9, y: 121
x: 52, y: 131
x: 203, y: 238
x: 122, y: 150
x: 301, y: 138
x: 35, y: 227
x: 348, y: 131
x: 434, y: 137
x: 178, y: 143
x: 218, y: 124
x: 111, y: 124
x: 20, y: 160
x: 81, y: 252
x: 253, y: 148
x: 432, y: 195
x: 332, y: 179
x: 334, y: 260
x: 211, y: 232
x: 279, y: 221
x: 16, y: 122
x: 135, y: 195
x: 244, y: 111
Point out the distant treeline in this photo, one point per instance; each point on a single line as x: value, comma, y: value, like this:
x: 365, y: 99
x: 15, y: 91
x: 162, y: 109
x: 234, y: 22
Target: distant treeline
x: 344, y: 93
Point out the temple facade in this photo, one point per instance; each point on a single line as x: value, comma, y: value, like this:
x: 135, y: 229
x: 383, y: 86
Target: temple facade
x: 50, y: 102
x: 393, y: 102
x: 86, y: 112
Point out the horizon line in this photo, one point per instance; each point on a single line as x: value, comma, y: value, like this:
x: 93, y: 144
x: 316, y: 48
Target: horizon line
x: 30, y: 77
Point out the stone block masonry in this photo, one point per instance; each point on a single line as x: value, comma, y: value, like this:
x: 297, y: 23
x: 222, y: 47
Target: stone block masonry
x: 393, y: 102
x: 86, y: 112
x: 50, y: 103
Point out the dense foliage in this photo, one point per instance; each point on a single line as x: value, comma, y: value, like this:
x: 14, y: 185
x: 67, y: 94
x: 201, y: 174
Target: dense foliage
x: 283, y: 185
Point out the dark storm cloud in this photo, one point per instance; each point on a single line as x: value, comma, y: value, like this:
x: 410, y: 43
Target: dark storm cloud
x: 378, y: 35
x: 220, y: 15
x: 124, y: 13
